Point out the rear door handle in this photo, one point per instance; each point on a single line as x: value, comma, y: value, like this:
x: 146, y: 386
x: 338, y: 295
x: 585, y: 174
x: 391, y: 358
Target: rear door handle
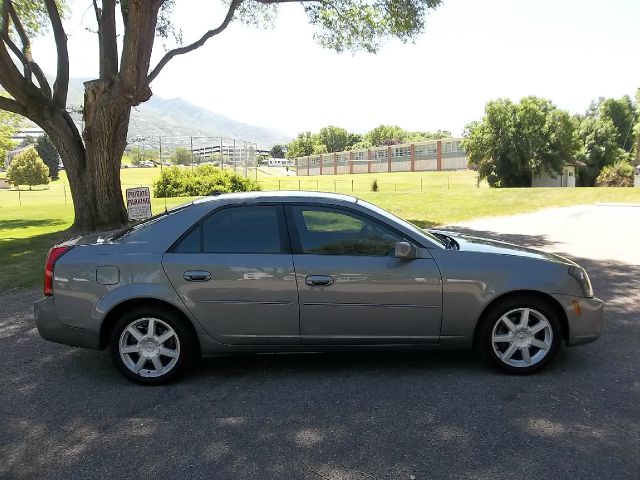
x: 197, y: 276
x: 319, y: 280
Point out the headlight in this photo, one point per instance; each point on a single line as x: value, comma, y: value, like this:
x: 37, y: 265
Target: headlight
x: 580, y: 274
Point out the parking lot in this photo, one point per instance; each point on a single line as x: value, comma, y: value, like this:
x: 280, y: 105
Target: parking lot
x: 66, y: 412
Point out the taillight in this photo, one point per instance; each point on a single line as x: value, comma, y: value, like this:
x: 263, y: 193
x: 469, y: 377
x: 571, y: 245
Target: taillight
x: 52, y: 257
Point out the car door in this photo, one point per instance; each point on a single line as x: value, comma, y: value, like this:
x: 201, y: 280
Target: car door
x: 351, y: 287
x: 234, y: 272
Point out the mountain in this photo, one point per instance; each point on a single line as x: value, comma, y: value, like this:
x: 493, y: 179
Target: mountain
x: 176, y: 117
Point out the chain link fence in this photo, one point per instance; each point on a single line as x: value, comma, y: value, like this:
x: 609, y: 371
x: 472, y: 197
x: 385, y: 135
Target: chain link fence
x: 239, y: 156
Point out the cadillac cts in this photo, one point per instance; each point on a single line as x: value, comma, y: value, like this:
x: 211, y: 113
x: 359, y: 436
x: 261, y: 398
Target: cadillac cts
x: 302, y: 271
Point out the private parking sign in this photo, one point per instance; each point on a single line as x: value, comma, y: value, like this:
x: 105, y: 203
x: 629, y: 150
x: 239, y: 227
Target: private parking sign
x: 138, y: 203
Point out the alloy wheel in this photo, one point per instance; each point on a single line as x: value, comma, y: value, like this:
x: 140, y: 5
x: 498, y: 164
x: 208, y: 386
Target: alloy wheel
x: 149, y: 347
x: 522, y: 337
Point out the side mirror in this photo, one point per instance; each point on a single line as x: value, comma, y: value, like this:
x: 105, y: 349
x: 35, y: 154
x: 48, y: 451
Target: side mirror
x: 405, y: 250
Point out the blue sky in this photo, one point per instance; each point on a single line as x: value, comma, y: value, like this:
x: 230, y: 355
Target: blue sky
x: 472, y: 51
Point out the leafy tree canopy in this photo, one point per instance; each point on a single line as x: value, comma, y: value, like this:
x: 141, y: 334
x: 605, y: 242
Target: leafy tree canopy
x: 599, y: 147
x: 332, y: 139
x: 27, y: 168
x: 277, y: 151
x: 302, y: 145
x: 182, y: 156
x: 384, y: 135
x: 622, y: 113
x: 514, y: 141
x: 49, y: 155
x: 8, y: 125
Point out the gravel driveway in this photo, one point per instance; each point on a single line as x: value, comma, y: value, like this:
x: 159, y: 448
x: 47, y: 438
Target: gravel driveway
x: 66, y: 413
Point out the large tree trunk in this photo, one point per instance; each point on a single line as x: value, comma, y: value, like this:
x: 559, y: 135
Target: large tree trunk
x: 106, y: 116
x: 93, y: 167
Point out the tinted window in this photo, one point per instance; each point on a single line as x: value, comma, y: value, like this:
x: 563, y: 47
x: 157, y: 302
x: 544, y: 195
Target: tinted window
x: 242, y: 230
x: 326, y: 231
x: 190, y: 243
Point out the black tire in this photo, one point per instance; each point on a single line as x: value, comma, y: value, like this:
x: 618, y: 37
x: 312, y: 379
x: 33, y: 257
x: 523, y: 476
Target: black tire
x: 184, y: 345
x: 499, y: 354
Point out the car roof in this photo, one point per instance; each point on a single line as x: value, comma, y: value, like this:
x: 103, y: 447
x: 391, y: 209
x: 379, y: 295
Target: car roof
x: 279, y: 196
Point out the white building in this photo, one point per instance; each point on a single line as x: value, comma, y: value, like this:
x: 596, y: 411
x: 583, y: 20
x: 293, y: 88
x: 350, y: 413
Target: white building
x: 565, y: 179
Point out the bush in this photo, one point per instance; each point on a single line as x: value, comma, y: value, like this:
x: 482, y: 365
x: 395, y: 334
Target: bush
x: 27, y: 168
x: 620, y: 174
x: 203, y: 180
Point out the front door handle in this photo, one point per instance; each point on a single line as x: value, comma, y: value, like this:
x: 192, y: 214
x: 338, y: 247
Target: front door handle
x: 319, y: 280
x: 197, y: 276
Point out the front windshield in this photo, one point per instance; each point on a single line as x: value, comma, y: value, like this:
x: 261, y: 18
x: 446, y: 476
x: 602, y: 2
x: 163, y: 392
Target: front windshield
x: 404, y: 223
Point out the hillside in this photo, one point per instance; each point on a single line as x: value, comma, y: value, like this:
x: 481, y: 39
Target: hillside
x: 178, y: 118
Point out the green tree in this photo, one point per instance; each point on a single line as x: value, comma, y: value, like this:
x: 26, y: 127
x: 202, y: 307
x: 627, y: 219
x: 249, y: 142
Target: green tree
x: 319, y: 148
x: 27, y: 168
x: 182, y: 156
x: 28, y: 140
x: 620, y: 174
x: 423, y: 136
x: 384, y: 135
x: 302, y: 145
x: 622, y: 112
x: 336, y: 139
x: 49, y: 155
x: 514, y: 141
x: 353, y: 139
x: 92, y: 158
x: 8, y: 125
x: 277, y: 151
x: 599, y: 147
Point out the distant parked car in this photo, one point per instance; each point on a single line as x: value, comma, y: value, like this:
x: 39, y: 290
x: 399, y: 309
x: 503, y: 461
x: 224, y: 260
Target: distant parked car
x: 302, y: 271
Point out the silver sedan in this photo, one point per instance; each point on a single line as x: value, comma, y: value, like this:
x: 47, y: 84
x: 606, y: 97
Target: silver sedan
x: 303, y: 271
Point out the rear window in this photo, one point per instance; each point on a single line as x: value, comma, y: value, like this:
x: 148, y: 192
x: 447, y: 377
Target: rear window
x: 145, y: 223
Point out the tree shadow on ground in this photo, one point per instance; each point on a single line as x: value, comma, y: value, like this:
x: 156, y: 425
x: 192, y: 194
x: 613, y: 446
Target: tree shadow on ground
x: 339, y: 416
x: 22, y: 259
x: 27, y: 223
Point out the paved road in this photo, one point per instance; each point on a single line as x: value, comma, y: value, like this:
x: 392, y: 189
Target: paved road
x: 66, y: 413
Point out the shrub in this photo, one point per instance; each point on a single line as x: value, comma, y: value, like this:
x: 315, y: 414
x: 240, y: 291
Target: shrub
x: 374, y: 185
x: 620, y: 174
x: 27, y: 168
x: 203, y: 180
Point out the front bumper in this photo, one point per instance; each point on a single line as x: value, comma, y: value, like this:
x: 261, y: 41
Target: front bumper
x: 585, y: 318
x: 52, y: 329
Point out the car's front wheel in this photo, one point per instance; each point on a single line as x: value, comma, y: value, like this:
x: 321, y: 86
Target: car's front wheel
x: 520, y: 335
x: 151, y: 347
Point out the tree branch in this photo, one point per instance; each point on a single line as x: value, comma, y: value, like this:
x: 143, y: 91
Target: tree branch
x: 198, y: 43
x: 107, y: 39
x: 61, y: 85
x: 12, y: 106
x: 26, y: 51
x: 12, y: 80
x: 97, y: 11
x: 18, y: 53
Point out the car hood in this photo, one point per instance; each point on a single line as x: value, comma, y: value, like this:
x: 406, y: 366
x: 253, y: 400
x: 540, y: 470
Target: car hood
x: 471, y: 243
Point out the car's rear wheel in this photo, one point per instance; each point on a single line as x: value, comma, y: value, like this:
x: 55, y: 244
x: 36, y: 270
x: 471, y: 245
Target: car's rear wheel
x: 150, y: 346
x: 520, y: 335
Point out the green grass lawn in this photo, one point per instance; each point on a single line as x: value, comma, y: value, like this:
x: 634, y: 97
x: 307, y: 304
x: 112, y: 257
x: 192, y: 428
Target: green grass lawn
x: 32, y: 221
